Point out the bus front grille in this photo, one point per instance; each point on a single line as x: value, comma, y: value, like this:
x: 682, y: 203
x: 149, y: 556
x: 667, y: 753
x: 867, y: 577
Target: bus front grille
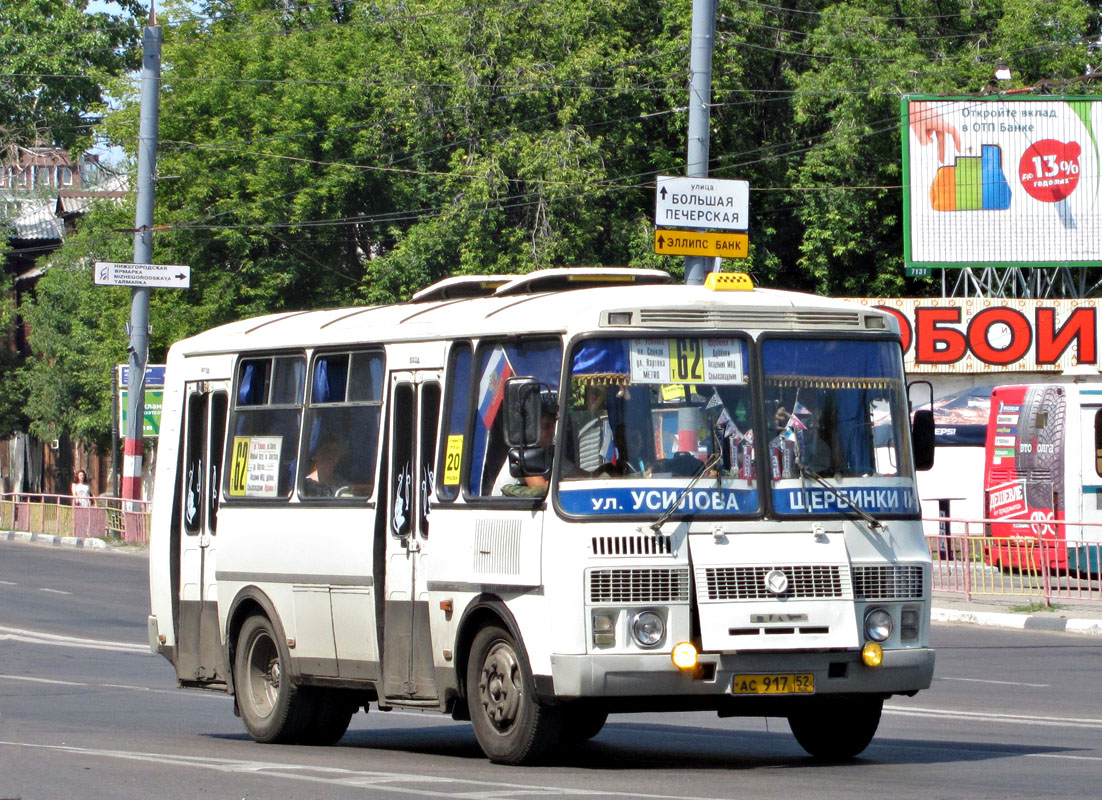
x: 811, y: 581
x: 888, y: 582
x: 652, y: 585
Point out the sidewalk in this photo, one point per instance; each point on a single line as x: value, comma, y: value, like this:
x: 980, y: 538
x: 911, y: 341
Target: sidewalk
x: 1070, y: 616
x: 88, y: 543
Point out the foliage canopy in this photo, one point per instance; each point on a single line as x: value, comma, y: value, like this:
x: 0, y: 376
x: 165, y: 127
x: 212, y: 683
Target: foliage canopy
x: 315, y: 154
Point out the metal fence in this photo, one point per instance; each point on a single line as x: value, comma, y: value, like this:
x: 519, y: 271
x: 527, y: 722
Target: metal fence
x: 62, y: 515
x: 1041, y: 564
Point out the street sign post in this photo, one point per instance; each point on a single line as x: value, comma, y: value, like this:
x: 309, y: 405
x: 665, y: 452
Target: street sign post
x: 154, y: 375
x: 702, y: 203
x: 158, y: 276
x: 697, y: 243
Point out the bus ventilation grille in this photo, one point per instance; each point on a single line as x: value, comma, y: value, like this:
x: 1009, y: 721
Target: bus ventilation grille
x: 631, y: 545
x: 748, y: 318
x: 748, y: 583
x: 639, y: 585
x: 888, y: 582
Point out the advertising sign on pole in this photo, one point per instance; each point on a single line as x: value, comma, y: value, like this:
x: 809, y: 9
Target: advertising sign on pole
x: 993, y: 181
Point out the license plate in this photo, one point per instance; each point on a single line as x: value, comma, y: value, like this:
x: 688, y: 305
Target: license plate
x: 798, y: 683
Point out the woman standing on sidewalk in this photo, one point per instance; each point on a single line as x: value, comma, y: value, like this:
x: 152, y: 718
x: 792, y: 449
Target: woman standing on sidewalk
x: 80, y: 490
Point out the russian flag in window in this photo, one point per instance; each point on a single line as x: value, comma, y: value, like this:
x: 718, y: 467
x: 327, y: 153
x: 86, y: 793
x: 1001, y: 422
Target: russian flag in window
x: 491, y: 389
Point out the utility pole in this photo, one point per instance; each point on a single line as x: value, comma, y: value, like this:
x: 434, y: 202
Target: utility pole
x: 143, y: 254
x: 700, y: 107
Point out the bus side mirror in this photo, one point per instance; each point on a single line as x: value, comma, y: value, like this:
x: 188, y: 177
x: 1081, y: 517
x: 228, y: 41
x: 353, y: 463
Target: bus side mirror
x: 522, y: 412
x: 528, y: 461
x: 922, y: 437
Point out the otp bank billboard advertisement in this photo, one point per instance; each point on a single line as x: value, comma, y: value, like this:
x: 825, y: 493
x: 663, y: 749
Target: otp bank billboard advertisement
x: 997, y: 181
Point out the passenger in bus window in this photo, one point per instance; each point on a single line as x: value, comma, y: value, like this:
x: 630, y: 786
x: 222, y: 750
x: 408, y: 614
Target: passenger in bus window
x: 324, y: 478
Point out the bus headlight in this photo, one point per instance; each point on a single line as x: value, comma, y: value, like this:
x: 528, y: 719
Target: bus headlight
x: 648, y: 628
x: 878, y: 625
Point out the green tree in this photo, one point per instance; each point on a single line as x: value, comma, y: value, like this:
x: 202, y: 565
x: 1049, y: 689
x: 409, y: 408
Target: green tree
x: 56, y: 58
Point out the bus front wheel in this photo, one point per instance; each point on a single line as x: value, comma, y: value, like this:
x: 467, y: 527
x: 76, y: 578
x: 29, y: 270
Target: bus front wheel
x: 509, y: 723
x: 837, y: 729
x: 273, y: 709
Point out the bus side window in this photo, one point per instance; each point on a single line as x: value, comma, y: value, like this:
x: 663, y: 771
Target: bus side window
x: 496, y: 362
x: 264, y: 429
x: 457, y: 400
x: 1098, y: 442
x: 341, y: 444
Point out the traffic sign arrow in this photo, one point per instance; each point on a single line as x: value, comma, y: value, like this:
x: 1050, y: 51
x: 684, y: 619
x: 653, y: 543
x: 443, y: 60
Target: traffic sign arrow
x: 162, y: 276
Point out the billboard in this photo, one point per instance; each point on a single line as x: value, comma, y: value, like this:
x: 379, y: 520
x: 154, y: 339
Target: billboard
x: 987, y: 336
x: 993, y: 181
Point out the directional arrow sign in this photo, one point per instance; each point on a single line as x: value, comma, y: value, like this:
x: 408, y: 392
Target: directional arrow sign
x: 702, y: 203
x: 694, y: 243
x: 159, y: 276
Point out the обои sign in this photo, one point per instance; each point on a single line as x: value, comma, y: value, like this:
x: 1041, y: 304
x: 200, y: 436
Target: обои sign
x: 962, y: 335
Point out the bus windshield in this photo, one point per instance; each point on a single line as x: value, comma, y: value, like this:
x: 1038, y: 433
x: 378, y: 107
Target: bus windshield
x: 645, y: 415
x: 838, y: 427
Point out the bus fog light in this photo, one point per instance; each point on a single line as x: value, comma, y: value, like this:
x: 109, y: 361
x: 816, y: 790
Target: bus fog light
x: 648, y: 628
x: 872, y: 654
x: 604, y: 632
x: 878, y: 625
x: 908, y: 624
x: 684, y: 655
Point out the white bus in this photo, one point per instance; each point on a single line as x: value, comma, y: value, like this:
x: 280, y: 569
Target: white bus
x: 533, y: 501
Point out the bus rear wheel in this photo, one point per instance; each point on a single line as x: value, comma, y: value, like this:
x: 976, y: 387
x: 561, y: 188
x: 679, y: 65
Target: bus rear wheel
x: 273, y: 709
x: 837, y: 729
x: 509, y: 723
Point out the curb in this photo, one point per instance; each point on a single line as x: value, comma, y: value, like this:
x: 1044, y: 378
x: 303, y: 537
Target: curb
x: 994, y: 619
x: 89, y: 543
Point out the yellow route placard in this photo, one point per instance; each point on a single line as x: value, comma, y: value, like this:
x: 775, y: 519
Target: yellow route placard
x: 699, y: 243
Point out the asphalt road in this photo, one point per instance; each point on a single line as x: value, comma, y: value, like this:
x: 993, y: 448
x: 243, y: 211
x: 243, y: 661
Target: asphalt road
x: 87, y: 712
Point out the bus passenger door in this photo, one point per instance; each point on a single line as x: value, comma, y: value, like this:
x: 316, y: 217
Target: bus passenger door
x: 1090, y: 470
x: 199, y: 657
x: 408, y: 671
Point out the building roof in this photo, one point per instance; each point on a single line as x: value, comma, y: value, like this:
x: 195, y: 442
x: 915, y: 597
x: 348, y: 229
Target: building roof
x: 37, y: 223
x: 71, y: 202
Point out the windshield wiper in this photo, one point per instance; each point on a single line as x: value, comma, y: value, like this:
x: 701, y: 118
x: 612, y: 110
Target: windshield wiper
x: 713, y: 459
x: 806, y: 471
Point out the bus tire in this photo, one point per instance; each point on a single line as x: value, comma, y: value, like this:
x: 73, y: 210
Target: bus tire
x: 274, y: 710
x: 837, y: 729
x: 580, y: 723
x: 509, y: 723
x: 330, y: 714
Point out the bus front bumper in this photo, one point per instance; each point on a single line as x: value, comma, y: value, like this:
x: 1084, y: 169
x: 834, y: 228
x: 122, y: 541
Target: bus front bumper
x: 595, y: 675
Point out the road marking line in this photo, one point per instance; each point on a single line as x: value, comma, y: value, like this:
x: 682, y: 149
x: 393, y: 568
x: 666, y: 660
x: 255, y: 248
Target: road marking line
x: 998, y: 683
x: 52, y: 591
x: 177, y: 692
x: 8, y: 583
x: 38, y: 637
x: 339, y: 776
x: 1016, y: 719
x: 41, y: 680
